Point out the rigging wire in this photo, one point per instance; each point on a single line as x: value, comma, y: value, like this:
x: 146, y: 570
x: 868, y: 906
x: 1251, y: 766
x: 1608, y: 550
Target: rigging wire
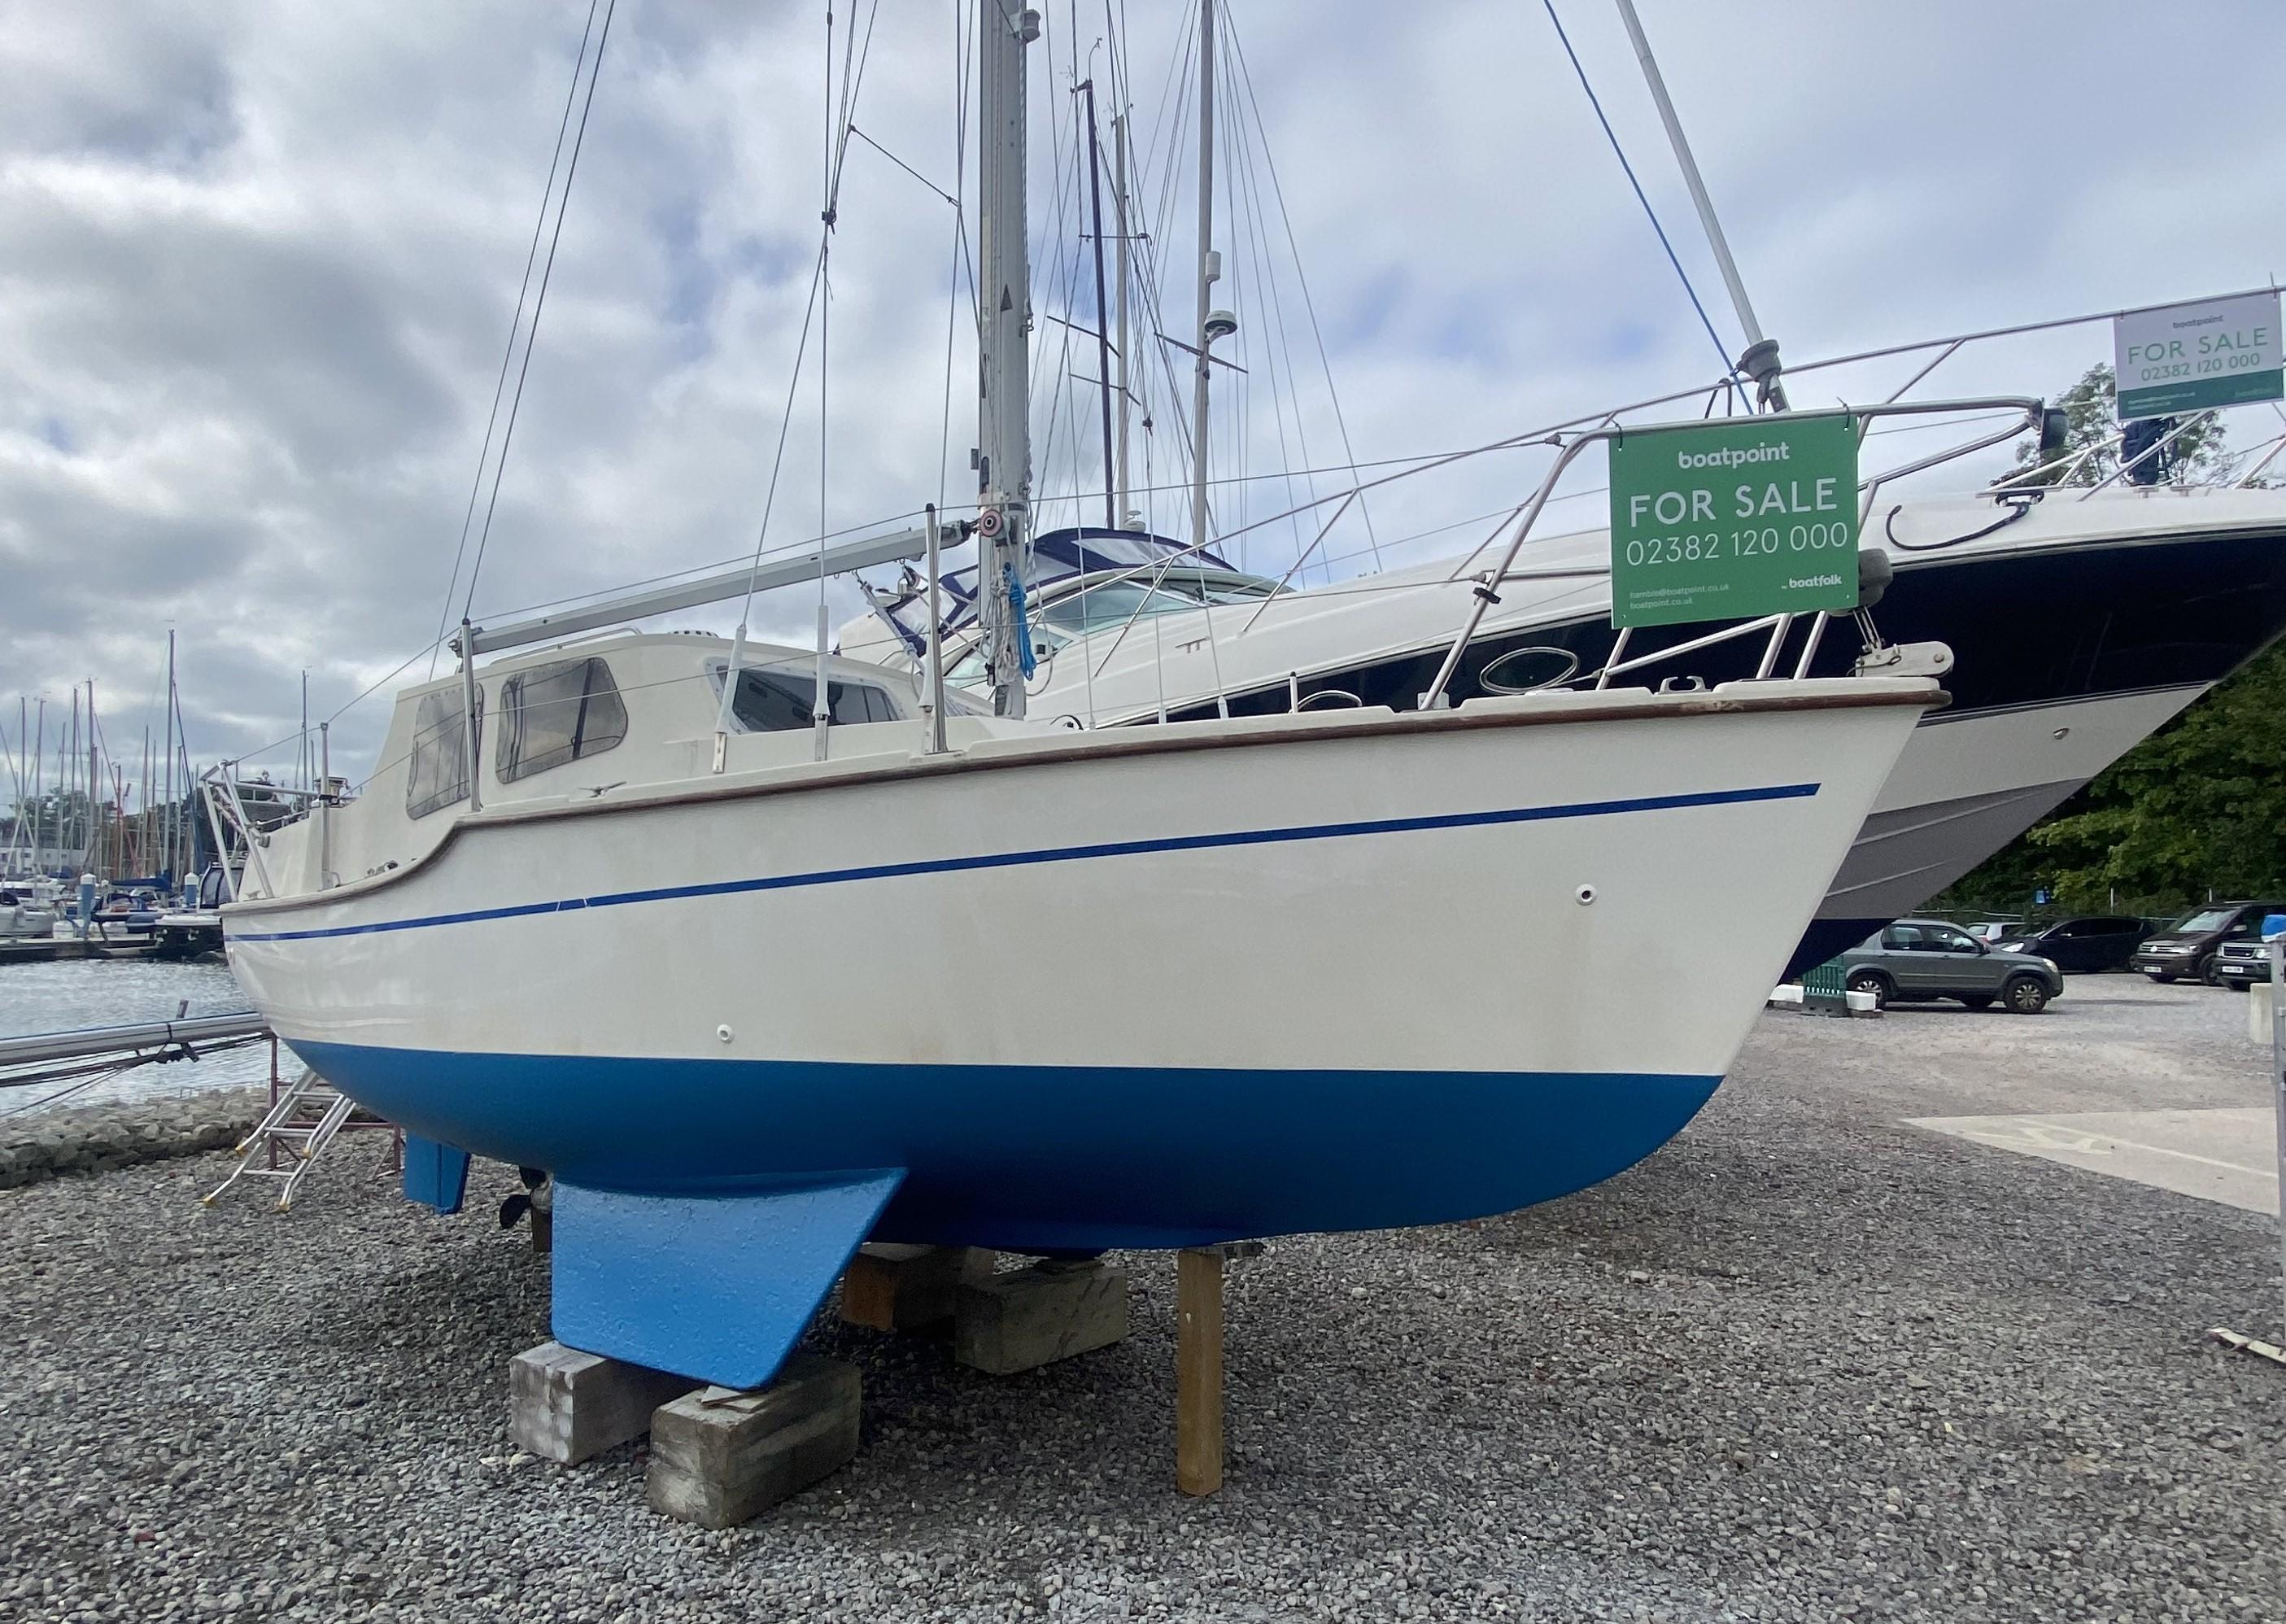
x: 1652, y: 214
x: 902, y: 164
x: 836, y: 156
x: 1277, y: 348
x: 961, y: 34
x: 539, y: 305
x: 1301, y: 278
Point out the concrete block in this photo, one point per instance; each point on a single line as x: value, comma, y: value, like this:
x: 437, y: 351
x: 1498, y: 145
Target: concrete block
x: 565, y: 1406
x: 719, y: 1457
x: 1034, y: 1316
x: 897, y: 1287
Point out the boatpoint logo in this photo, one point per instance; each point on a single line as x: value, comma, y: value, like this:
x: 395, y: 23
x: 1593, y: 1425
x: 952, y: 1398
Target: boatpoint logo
x: 1734, y: 456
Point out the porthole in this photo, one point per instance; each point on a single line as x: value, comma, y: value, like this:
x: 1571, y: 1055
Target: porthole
x: 1523, y: 671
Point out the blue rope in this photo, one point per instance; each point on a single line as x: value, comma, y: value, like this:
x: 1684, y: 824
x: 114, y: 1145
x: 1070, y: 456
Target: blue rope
x: 1025, y: 660
x: 1637, y: 184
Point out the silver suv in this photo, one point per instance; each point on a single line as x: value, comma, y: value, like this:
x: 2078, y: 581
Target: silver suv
x: 1924, y: 959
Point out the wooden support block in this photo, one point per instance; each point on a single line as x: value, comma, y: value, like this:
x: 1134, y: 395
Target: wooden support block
x: 1035, y: 1316
x: 897, y: 1287
x: 1198, y: 1371
x: 565, y: 1406
x: 719, y: 1457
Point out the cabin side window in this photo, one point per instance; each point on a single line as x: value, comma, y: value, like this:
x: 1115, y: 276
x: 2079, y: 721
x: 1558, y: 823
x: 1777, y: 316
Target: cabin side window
x: 439, y: 772
x: 780, y: 701
x: 553, y: 715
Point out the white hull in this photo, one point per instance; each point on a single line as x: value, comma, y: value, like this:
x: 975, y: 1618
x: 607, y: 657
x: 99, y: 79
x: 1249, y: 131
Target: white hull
x: 1398, y: 949
x: 1968, y: 785
x: 1523, y: 889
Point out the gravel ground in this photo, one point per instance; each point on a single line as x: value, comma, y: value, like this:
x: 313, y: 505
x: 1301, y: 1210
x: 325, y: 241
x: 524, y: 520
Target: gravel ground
x: 1804, y: 1363
x: 47, y: 1144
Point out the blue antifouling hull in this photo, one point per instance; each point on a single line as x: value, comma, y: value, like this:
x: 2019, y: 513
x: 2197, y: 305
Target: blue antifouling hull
x: 1042, y: 1158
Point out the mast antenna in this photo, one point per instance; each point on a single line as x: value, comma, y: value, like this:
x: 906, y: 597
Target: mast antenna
x: 1760, y: 359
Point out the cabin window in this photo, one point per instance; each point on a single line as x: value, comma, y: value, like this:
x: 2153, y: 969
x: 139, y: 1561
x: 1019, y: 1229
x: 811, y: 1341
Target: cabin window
x: 780, y: 701
x: 551, y: 715
x: 438, y: 775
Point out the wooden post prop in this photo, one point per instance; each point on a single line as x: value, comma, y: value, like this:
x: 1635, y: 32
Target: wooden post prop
x: 1198, y: 1362
x: 1198, y: 1372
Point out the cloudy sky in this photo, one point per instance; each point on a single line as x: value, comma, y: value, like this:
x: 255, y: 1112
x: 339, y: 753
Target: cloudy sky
x: 259, y: 259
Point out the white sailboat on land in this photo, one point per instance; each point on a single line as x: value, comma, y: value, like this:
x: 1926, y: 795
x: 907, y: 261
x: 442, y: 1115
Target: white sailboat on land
x: 719, y: 935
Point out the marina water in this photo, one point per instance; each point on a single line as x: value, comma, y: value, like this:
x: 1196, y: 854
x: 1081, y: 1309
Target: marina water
x: 74, y: 993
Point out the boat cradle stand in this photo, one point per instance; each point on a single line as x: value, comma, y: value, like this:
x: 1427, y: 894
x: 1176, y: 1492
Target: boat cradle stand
x: 677, y: 1314
x: 1020, y: 1319
x: 643, y: 1317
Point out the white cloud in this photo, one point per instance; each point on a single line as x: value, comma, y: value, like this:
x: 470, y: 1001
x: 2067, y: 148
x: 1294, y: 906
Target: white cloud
x: 258, y: 261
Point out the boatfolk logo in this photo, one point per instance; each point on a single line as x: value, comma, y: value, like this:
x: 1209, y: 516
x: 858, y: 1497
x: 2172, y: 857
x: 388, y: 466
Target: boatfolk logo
x: 1734, y: 521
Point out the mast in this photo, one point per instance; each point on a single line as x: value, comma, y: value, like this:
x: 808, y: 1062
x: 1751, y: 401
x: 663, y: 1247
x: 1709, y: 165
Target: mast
x: 1209, y: 269
x: 94, y: 787
x: 1760, y: 360
x: 1119, y: 209
x: 167, y: 818
x: 1213, y: 324
x: 1004, y: 323
x: 39, y: 788
x: 1103, y: 338
x: 68, y: 774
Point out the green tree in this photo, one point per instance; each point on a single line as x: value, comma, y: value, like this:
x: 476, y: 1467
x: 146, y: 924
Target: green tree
x: 2091, y: 409
x: 2197, y: 808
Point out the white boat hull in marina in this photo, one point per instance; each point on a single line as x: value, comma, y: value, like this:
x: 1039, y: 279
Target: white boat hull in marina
x: 1283, y: 973
x: 1966, y: 784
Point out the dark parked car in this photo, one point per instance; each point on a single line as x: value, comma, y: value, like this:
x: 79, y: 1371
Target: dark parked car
x: 1923, y: 959
x: 2188, y: 947
x: 2081, y: 947
x: 2239, y: 965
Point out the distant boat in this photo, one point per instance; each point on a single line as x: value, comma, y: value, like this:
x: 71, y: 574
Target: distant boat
x: 24, y: 916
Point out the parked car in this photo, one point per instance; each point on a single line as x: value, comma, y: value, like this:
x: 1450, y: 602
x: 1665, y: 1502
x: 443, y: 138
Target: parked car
x: 1989, y: 931
x: 2243, y: 961
x: 2190, y: 946
x: 2080, y: 947
x: 2239, y: 965
x: 1923, y: 959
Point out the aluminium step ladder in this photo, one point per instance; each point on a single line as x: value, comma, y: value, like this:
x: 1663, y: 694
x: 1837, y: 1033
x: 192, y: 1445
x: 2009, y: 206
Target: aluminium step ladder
x: 302, y: 1122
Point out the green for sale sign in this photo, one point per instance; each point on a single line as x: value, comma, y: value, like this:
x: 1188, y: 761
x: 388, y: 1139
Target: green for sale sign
x: 1732, y: 520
